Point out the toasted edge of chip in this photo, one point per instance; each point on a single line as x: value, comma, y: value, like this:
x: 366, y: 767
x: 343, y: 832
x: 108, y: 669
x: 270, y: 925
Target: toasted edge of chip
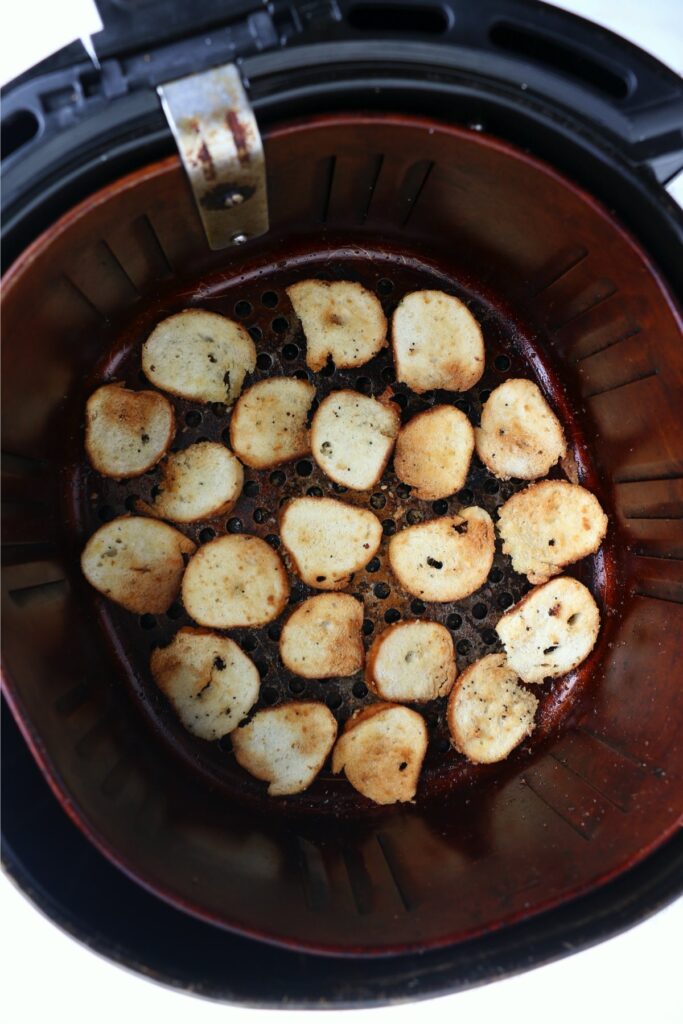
x: 199, y: 355
x: 334, y: 326
x: 322, y: 638
x: 550, y: 525
x: 318, y: 537
x: 235, y: 580
x: 286, y: 746
x: 411, y: 661
x: 148, y: 419
x: 381, y: 751
x: 206, y: 469
x: 520, y: 436
x: 489, y: 713
x: 145, y: 581
x: 353, y: 436
x: 444, y: 559
x: 433, y: 452
x: 436, y: 342
x: 208, y: 679
x: 265, y: 438
x: 551, y: 631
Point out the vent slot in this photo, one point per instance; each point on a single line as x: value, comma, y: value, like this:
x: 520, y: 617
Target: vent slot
x: 413, y: 19
x: 18, y: 129
x: 544, y: 50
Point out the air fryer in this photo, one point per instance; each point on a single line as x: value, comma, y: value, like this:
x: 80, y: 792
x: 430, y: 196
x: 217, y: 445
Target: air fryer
x: 508, y: 154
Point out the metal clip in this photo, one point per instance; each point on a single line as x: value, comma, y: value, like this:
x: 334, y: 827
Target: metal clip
x: 221, y: 149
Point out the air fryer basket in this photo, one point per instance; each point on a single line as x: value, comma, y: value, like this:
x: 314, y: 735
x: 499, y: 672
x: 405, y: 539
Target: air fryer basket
x: 565, y: 296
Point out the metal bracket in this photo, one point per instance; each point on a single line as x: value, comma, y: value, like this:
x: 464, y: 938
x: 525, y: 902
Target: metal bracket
x: 222, y: 153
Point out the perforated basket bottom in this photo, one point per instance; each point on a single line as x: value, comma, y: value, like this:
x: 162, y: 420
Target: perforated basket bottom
x: 257, y: 298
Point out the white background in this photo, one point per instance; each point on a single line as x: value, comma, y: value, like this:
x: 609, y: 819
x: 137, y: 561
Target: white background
x: 631, y: 979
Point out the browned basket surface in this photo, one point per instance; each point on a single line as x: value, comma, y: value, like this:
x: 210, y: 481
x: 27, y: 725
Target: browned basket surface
x: 395, y: 204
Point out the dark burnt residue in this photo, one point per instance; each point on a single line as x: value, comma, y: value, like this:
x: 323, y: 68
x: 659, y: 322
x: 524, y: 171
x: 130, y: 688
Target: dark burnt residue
x: 206, y: 160
x: 239, y: 134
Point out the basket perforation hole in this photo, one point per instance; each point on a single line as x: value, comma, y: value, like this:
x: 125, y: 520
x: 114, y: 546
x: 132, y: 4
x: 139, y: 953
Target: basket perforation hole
x: 463, y: 646
x: 479, y: 611
x: 206, y: 535
x: 249, y: 643
x: 269, y: 695
x: 377, y: 500
x: 296, y: 687
x: 270, y: 300
x: 234, y: 525
x: 281, y: 325
x: 175, y: 611
x: 505, y: 600
x: 147, y: 621
x: 454, y: 621
x: 385, y: 286
x: 502, y: 363
x: 277, y: 478
x: 260, y: 515
x: 251, y: 488
x: 290, y: 352
x: 359, y: 690
x: 193, y: 418
x: 333, y: 700
x: 440, y: 507
x: 381, y: 591
x: 264, y: 361
x: 368, y: 626
x: 388, y: 527
x: 242, y: 308
x: 304, y: 468
x: 418, y: 607
x: 255, y: 333
x: 392, y: 615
